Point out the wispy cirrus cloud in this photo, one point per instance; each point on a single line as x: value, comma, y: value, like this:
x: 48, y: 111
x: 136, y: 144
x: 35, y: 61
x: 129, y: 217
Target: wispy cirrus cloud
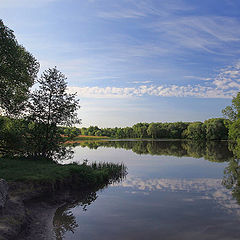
x: 127, y: 13
x: 208, y: 33
x: 141, y: 8
x: 176, y: 23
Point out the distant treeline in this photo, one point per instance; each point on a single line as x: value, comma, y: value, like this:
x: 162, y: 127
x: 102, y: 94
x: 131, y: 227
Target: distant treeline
x: 211, y: 129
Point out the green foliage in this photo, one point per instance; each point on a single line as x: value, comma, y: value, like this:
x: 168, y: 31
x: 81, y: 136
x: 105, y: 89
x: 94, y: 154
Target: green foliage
x: 196, y: 131
x: 84, y: 131
x: 233, y: 112
x: 140, y: 130
x: 49, y: 107
x: 18, y: 70
x: 152, y: 130
x: 234, y: 130
x: 71, y: 132
x: 216, y: 129
x: 12, y: 135
x: 128, y: 132
x: 234, y: 146
x: 175, y: 130
x: 51, y: 104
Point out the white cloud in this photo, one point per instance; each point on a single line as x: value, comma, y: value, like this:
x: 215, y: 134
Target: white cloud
x: 224, y: 85
x: 228, y: 78
x: 164, y: 91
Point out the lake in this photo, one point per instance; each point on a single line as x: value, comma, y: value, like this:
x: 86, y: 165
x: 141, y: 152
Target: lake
x: 173, y: 190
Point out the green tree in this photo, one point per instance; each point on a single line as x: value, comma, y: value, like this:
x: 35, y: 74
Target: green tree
x: 216, y: 129
x: 196, y: 131
x: 152, y: 130
x: 51, y: 106
x: 120, y: 133
x: 233, y: 112
x: 98, y: 133
x: 71, y: 132
x: 140, y: 129
x: 18, y: 70
x: 176, y: 129
x: 128, y: 132
x: 13, y: 135
x: 234, y: 130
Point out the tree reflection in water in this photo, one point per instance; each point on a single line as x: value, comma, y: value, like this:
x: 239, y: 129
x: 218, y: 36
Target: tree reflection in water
x: 64, y: 220
x: 213, y: 150
x: 231, y: 178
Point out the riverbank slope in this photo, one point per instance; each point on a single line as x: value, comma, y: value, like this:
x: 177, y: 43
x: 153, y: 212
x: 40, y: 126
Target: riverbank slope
x: 31, y: 181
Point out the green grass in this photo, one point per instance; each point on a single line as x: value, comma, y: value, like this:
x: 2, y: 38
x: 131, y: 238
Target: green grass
x: 45, y: 171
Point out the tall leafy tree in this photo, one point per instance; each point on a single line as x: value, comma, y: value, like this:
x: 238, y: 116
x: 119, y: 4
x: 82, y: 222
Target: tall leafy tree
x: 51, y: 106
x: 233, y: 112
x: 234, y: 131
x: 196, y: 131
x: 152, y: 130
x: 216, y: 129
x: 140, y: 129
x: 18, y: 70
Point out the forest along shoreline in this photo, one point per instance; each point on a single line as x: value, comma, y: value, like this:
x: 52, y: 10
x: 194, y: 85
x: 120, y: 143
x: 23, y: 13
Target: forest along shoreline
x: 42, y: 189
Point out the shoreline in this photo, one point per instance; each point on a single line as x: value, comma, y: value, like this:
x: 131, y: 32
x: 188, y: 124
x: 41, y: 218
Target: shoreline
x: 34, y: 190
x: 30, y: 214
x: 22, y: 219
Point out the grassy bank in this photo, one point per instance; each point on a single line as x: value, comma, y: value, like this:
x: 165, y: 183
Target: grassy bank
x: 44, y: 171
x: 30, y: 179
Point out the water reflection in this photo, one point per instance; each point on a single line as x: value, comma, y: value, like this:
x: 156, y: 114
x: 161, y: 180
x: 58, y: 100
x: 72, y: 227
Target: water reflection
x: 64, y: 220
x: 161, y: 203
x: 212, y: 151
x: 204, y: 189
x: 231, y: 179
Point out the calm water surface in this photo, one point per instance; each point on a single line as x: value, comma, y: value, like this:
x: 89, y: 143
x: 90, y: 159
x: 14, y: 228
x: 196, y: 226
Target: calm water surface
x: 173, y: 190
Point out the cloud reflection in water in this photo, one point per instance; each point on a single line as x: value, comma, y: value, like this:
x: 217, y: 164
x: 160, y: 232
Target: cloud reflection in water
x: 206, y: 188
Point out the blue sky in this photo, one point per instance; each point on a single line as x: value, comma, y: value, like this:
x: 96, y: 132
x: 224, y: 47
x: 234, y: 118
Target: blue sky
x: 136, y: 61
